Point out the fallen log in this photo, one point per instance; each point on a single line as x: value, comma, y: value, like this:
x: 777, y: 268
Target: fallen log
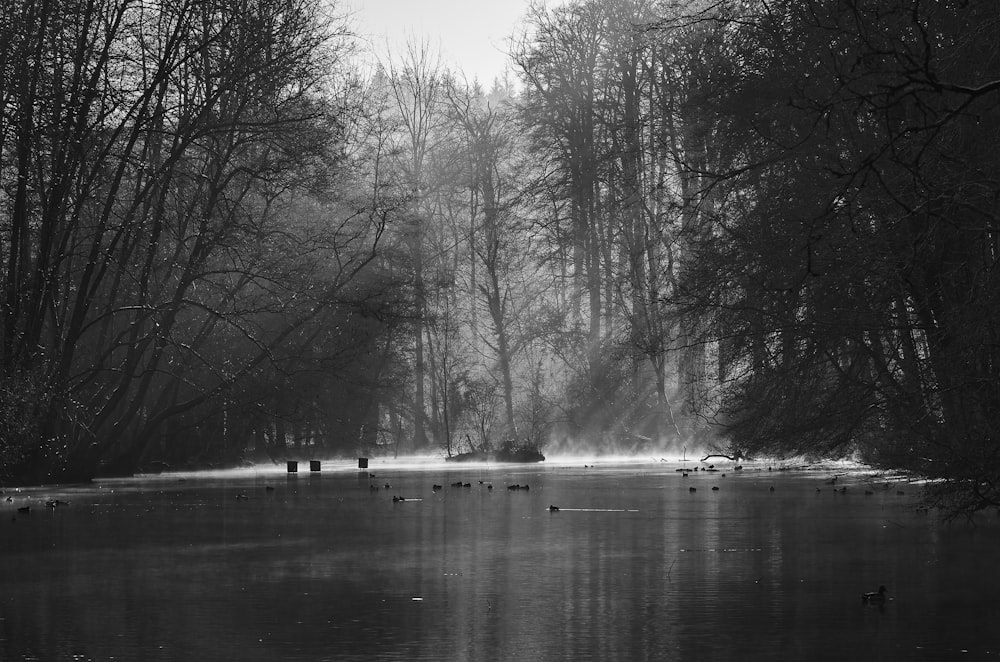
x: 728, y: 457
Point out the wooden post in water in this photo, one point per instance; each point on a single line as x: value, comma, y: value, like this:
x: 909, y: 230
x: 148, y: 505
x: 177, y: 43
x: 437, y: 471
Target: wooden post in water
x: 314, y: 465
x: 362, y: 463
x: 293, y: 467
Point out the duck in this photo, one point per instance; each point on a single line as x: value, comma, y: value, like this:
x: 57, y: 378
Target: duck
x: 396, y: 499
x: 875, y: 597
x: 554, y: 509
x: 242, y: 497
x: 770, y: 489
x: 435, y: 488
x: 715, y: 488
x: 692, y: 489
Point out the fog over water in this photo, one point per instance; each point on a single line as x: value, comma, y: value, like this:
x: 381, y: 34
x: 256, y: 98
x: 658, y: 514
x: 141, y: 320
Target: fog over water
x: 639, y: 562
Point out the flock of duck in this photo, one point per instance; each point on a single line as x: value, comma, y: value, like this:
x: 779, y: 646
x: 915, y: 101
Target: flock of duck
x: 874, y: 598
x: 51, y: 504
x: 685, y: 472
x: 437, y: 488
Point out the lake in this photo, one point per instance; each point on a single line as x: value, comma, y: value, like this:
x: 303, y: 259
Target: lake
x: 633, y: 566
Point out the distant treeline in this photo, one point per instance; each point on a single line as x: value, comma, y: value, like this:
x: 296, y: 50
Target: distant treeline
x: 763, y: 227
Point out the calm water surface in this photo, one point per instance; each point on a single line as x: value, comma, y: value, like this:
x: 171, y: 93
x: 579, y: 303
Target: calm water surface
x: 634, y: 566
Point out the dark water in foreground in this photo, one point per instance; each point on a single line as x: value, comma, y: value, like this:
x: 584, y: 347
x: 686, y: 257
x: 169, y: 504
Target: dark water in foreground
x: 323, y: 568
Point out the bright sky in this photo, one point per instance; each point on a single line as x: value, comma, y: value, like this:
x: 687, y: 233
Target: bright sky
x: 471, y: 35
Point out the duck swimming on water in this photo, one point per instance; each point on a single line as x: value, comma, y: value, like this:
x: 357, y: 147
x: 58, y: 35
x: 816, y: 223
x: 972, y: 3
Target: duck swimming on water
x: 875, y: 597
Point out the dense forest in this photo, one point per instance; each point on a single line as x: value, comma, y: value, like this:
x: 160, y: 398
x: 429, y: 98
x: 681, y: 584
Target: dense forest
x: 753, y: 227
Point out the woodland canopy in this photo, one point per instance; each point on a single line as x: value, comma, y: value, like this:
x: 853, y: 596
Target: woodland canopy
x: 756, y: 227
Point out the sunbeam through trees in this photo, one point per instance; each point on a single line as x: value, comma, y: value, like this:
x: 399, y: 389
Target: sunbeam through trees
x: 755, y: 228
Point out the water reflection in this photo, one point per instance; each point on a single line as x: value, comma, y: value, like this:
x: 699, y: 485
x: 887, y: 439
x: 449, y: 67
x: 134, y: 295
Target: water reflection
x: 634, y: 566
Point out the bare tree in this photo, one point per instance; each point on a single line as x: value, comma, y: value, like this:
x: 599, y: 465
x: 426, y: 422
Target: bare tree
x: 149, y: 154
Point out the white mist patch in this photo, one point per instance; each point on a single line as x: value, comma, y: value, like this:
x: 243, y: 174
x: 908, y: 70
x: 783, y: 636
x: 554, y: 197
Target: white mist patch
x: 576, y: 460
x: 437, y: 462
